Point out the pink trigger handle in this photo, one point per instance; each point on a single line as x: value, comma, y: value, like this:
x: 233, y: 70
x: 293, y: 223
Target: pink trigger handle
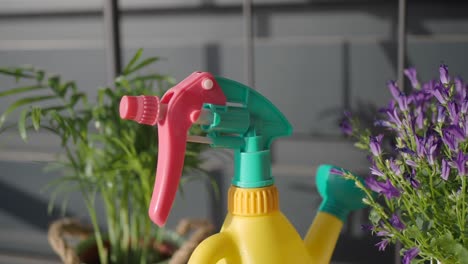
x: 173, y: 114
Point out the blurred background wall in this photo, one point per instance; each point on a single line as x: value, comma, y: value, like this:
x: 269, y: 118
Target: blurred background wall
x: 312, y: 58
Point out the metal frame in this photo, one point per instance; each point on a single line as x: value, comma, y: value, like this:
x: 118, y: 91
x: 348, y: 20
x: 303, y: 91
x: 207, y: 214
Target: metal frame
x: 113, y: 46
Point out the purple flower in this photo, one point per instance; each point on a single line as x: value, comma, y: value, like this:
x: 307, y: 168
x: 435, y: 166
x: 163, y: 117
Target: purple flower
x: 459, y: 163
x: 431, y: 148
x: 440, y: 114
x: 346, y: 127
x: 464, y: 107
x: 441, y: 94
x: 382, y: 123
x: 444, y: 74
x: 445, y: 170
x: 382, y: 244
x: 375, y: 171
x: 406, y: 150
x: 412, y: 76
x: 394, y: 90
x: 411, y: 178
x: 449, y: 140
x: 336, y: 171
x: 396, y: 222
x: 419, y: 117
x: 382, y: 233
x: 461, y: 90
x: 402, y: 102
x: 374, y: 145
x: 386, y: 188
x: 394, y: 167
x: 453, y: 110
x: 456, y: 131
x: 419, y: 146
x: 410, y: 254
x: 411, y: 163
x: 393, y: 116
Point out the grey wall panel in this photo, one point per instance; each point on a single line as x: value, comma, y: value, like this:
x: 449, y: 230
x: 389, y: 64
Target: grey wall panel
x: 46, y: 28
x: 304, y: 82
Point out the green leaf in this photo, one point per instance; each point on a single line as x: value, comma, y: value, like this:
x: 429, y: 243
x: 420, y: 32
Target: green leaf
x: 142, y: 64
x: 36, y: 115
x: 16, y: 72
x: 21, y: 90
x: 133, y: 61
x: 21, y: 102
x: 22, y: 125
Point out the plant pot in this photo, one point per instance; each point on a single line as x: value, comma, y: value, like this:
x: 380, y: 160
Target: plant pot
x: 176, y: 246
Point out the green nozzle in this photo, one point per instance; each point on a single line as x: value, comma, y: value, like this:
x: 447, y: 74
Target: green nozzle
x: 248, y: 125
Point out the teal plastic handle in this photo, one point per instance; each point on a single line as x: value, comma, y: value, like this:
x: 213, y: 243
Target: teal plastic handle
x: 340, y: 195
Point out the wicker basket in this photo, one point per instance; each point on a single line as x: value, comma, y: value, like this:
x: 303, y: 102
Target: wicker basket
x: 62, y: 230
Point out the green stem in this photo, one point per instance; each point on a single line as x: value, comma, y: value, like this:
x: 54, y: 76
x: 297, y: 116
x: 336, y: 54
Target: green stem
x: 99, y: 241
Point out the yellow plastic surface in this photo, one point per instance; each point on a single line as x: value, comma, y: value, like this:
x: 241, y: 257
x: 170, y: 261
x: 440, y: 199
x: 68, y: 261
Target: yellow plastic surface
x: 256, y: 232
x: 322, y: 236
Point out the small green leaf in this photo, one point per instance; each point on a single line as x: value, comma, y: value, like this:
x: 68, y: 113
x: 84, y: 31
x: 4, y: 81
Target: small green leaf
x: 21, y: 102
x: 15, y: 72
x: 133, y: 61
x: 18, y: 90
x: 22, y: 125
x: 144, y: 63
x: 36, y: 115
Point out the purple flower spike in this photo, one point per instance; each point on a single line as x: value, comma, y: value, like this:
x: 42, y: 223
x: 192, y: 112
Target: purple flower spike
x: 444, y: 74
x: 445, y: 170
x: 382, y: 244
x: 441, y: 94
x: 412, y: 76
x: 396, y: 222
x: 375, y: 143
x: 440, y: 114
x: 394, y: 90
x: 410, y: 254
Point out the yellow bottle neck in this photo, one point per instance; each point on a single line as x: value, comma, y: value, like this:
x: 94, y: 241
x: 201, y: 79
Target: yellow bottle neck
x: 253, y: 201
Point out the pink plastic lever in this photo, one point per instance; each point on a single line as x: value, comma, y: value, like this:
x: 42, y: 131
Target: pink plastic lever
x: 173, y: 124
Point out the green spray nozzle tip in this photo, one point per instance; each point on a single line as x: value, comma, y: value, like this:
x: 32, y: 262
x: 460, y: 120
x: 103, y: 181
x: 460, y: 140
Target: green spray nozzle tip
x: 340, y: 195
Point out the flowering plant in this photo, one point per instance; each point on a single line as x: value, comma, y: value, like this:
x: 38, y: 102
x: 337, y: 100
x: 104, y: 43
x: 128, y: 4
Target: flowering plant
x: 417, y: 187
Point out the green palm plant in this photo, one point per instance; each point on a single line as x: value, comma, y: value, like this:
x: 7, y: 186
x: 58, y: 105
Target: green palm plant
x: 104, y: 157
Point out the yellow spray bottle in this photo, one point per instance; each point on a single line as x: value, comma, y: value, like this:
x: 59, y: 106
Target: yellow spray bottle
x: 237, y: 117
